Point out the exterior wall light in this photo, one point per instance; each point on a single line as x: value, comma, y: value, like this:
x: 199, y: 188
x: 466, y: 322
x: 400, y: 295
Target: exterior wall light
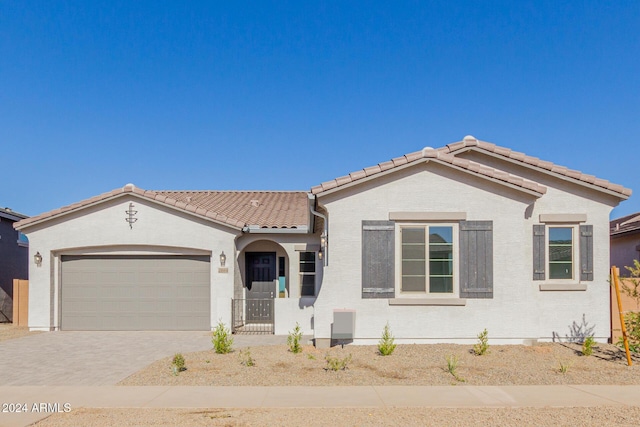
x: 223, y: 259
x: 320, y: 254
x: 37, y: 258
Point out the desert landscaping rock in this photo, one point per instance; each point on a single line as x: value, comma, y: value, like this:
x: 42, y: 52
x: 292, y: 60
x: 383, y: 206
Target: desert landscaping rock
x: 408, y: 365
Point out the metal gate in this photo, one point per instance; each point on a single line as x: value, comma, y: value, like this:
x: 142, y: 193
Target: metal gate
x: 252, y: 316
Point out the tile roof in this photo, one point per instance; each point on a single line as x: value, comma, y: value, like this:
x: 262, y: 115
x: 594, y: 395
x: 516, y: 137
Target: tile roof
x: 265, y: 209
x: 469, y: 142
x: 626, y: 224
x: 447, y: 155
x: 437, y: 156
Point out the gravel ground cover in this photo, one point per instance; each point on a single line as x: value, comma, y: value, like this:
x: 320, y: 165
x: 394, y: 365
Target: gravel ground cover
x: 482, y: 417
x: 408, y: 365
x: 9, y: 331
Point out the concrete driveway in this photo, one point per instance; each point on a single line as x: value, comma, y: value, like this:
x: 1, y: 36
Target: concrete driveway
x: 85, y: 358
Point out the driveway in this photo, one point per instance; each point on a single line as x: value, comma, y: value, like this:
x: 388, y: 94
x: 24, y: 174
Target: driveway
x: 98, y: 358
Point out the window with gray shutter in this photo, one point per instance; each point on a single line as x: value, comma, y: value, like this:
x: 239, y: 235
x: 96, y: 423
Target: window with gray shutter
x: 378, y: 265
x: 539, y: 245
x: 476, y: 259
x: 586, y: 252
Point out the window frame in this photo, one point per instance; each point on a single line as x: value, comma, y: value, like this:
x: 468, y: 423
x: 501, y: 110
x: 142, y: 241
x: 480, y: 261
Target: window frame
x: 455, y: 241
x: 23, y: 243
x: 575, y: 252
x: 301, y: 273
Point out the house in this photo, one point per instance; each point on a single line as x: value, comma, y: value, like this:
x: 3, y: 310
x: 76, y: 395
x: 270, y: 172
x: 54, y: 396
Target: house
x: 13, y: 260
x: 625, y: 241
x: 439, y: 243
x: 625, y: 249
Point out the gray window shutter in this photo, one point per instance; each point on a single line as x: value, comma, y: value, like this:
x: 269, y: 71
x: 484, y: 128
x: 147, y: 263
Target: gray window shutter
x: 586, y: 252
x: 378, y: 264
x: 539, y: 246
x: 476, y: 259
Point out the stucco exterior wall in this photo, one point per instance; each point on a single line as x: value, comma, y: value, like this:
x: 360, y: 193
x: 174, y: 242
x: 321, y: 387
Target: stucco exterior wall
x: 102, y: 229
x: 518, y: 312
x: 624, y: 250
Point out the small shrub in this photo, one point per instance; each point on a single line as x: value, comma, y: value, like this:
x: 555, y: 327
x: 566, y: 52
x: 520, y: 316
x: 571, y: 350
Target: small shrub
x: 178, y: 364
x: 386, y: 344
x: 452, y: 367
x: 564, y: 366
x: 334, y: 363
x: 311, y: 356
x: 587, y: 346
x: 632, y: 324
x: 222, y: 340
x: 483, y: 343
x: 246, y: 359
x: 293, y: 340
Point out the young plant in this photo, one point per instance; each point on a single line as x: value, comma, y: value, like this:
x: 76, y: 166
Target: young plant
x: 564, y: 366
x: 246, y: 359
x: 293, y: 340
x: 334, y: 363
x: 631, y: 288
x: 178, y: 364
x: 386, y: 344
x: 452, y: 367
x: 587, y: 346
x: 222, y: 340
x: 483, y: 343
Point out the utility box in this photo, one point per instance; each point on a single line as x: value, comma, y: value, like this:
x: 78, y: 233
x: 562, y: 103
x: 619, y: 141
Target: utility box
x: 344, y: 324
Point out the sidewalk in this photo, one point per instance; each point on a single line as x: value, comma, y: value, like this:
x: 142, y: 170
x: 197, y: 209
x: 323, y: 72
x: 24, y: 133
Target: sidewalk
x: 307, y: 397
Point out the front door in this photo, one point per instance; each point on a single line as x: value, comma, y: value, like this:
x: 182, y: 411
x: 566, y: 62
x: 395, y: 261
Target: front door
x: 261, y: 286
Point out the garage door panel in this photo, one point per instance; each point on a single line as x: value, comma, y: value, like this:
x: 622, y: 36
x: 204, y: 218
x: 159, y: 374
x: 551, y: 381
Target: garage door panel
x: 135, y: 293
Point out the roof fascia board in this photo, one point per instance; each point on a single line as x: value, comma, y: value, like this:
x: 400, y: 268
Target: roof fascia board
x: 123, y: 194
x: 539, y: 169
x: 427, y: 160
x: 12, y: 217
x: 256, y: 229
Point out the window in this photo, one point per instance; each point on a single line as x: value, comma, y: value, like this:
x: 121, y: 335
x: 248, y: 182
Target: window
x: 307, y: 274
x: 562, y: 253
x: 561, y: 257
x: 22, y: 239
x: 427, y: 265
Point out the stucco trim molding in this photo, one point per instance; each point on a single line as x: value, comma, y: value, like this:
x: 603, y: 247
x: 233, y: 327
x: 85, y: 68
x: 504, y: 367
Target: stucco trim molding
x: 563, y: 217
x: 306, y: 248
x: 427, y: 216
x: 429, y: 301
x: 563, y: 287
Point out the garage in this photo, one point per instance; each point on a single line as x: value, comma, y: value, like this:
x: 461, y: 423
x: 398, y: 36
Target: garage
x: 135, y: 292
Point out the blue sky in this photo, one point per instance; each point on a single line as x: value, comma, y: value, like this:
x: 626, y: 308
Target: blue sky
x: 285, y: 95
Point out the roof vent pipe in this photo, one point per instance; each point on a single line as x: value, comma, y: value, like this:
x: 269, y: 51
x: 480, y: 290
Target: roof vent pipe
x: 324, y: 239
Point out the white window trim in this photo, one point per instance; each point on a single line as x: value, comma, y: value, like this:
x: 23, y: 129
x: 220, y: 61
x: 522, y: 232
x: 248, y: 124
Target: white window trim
x: 456, y: 259
x: 314, y: 274
x: 575, y: 253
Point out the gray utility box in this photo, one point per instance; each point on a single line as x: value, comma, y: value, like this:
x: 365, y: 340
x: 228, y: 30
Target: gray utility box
x: 344, y: 324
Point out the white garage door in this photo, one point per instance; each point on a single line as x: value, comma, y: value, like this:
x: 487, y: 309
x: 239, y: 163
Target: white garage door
x: 135, y: 293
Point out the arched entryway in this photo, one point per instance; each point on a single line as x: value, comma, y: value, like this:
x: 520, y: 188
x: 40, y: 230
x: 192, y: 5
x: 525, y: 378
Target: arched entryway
x: 263, y: 265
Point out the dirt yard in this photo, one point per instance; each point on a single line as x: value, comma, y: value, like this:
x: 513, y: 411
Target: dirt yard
x: 408, y: 365
x: 8, y: 331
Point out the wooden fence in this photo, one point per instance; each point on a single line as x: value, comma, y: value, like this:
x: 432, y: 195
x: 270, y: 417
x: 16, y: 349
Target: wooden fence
x: 20, y: 302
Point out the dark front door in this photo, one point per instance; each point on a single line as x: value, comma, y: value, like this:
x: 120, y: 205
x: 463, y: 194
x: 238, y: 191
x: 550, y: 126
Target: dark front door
x: 261, y: 286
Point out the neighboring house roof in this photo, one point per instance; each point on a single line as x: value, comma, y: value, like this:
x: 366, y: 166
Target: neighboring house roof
x: 11, y: 214
x: 471, y: 143
x: 431, y: 155
x: 237, y: 209
x: 625, y: 225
